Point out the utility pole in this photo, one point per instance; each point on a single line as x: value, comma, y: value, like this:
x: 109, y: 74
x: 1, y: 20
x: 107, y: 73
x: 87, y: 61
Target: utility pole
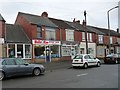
x: 85, y: 32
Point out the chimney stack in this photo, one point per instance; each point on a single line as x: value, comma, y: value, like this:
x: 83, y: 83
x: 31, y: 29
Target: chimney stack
x: 118, y: 30
x: 78, y: 21
x: 44, y: 14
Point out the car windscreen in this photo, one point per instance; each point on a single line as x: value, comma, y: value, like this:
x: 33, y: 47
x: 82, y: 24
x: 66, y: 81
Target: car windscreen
x: 78, y: 57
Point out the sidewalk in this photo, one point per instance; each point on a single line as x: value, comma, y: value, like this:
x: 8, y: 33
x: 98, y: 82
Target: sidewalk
x: 57, y: 65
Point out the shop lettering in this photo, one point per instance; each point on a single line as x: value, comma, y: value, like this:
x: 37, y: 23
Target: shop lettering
x: 45, y: 42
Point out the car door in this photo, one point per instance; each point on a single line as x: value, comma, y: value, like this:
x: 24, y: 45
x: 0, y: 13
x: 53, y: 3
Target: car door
x: 93, y: 60
x: 87, y: 58
x: 10, y: 68
x: 24, y: 67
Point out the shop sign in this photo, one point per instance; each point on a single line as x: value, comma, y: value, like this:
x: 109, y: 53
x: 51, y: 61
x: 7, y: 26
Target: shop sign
x: 45, y: 42
x: 1, y: 40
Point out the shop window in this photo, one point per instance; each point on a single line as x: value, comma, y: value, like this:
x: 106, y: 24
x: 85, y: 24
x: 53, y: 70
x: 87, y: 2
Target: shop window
x: 39, y: 51
x: 66, y: 51
x: 20, y: 51
x: 54, y: 51
x: 90, y: 51
x: 11, y: 50
x: 27, y: 51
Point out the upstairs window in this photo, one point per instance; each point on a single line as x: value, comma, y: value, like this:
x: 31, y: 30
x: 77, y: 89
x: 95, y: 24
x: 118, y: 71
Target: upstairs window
x: 83, y: 36
x: 100, y: 38
x: 69, y: 35
x: 39, y: 32
x: 50, y: 34
x: 111, y: 41
x: 90, y: 34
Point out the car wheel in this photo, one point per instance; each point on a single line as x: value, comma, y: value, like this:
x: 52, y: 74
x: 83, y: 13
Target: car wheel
x: 2, y: 76
x: 85, y: 66
x: 98, y: 64
x: 36, y: 72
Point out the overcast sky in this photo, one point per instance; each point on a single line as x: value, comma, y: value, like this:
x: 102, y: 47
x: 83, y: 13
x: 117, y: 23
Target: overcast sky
x: 63, y: 9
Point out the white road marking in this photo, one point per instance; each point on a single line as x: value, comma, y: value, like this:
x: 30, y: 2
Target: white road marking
x: 82, y: 74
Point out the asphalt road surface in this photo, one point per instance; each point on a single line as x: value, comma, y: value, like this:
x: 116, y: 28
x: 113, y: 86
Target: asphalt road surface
x: 105, y: 76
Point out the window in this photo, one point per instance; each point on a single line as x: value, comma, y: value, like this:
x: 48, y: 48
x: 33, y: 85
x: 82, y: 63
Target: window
x: 4, y: 63
x: 20, y: 61
x: 100, y: 38
x: 11, y: 50
x: 10, y: 61
x: 50, y: 34
x: 66, y: 50
x: 111, y: 40
x: 19, y: 50
x: 69, y: 35
x: 39, y: 32
x: 86, y: 57
x: 90, y: 37
x: 83, y: 36
x: 27, y: 51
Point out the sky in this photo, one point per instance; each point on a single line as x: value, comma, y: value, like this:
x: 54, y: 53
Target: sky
x: 65, y: 10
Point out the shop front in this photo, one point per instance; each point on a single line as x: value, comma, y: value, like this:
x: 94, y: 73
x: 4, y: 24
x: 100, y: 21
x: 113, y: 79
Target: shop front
x: 19, y: 50
x: 46, y: 50
x: 69, y: 50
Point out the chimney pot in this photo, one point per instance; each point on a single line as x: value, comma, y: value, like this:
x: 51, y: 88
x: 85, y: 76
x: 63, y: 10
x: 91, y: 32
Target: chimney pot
x: 44, y: 14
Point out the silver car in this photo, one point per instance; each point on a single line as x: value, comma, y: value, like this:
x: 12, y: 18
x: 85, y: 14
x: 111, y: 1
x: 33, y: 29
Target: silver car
x: 17, y: 66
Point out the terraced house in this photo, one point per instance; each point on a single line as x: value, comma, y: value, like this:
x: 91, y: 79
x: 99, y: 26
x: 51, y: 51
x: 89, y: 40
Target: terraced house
x: 40, y: 38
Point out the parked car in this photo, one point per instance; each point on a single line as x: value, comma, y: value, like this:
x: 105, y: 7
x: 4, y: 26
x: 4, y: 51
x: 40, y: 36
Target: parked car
x: 112, y: 58
x: 17, y: 66
x: 85, y: 60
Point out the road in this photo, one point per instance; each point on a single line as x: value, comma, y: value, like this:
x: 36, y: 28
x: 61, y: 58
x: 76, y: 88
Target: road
x: 105, y: 76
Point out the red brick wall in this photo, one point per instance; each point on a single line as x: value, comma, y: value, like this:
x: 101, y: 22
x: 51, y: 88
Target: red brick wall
x: 2, y: 29
x: 94, y: 37
x: 29, y: 29
x: 77, y: 36
x: 58, y: 34
x: 63, y: 35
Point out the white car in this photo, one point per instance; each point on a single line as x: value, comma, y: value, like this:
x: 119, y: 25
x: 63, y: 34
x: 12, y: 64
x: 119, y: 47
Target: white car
x: 85, y: 60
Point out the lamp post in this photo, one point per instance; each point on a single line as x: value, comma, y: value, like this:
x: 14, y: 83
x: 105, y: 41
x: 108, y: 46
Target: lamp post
x: 109, y: 26
x: 85, y: 32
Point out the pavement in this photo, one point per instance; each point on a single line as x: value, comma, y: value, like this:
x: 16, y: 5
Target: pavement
x: 59, y: 64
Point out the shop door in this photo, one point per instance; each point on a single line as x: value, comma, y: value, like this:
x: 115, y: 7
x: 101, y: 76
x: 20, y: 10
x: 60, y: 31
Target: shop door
x: 48, y: 54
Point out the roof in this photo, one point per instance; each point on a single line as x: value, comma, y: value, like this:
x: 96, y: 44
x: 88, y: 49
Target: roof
x: 75, y: 25
x: 106, y: 32
x: 38, y: 20
x: 1, y: 18
x: 61, y: 23
x: 95, y: 30
x: 16, y: 34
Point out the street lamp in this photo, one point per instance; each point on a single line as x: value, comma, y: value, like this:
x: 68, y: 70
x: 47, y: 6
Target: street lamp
x: 109, y: 26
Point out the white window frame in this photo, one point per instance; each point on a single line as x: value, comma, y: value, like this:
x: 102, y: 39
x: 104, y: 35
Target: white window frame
x: 111, y: 40
x: 90, y: 34
x: 69, y: 35
x: 100, y: 38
